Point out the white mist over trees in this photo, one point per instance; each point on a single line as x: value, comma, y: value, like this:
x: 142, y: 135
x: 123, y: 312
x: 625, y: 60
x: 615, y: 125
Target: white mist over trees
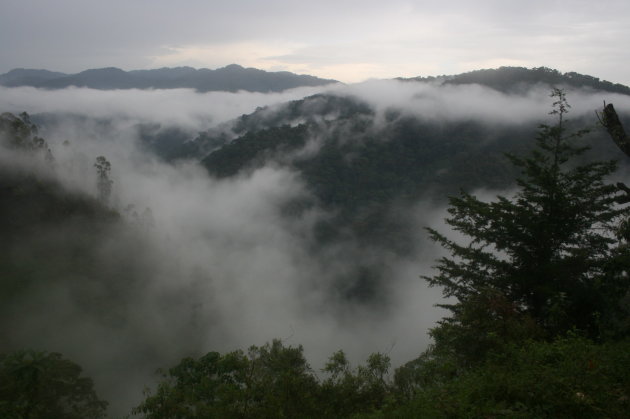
x: 229, y: 262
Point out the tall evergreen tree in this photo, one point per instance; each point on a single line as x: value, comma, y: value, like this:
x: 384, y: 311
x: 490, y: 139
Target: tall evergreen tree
x: 535, y: 261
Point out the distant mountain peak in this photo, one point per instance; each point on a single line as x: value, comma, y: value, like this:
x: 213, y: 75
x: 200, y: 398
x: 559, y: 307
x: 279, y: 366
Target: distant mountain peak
x: 103, y: 70
x: 230, y: 78
x: 27, y: 77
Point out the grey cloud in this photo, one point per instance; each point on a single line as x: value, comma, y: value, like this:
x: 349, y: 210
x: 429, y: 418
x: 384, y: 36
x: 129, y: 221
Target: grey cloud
x: 182, y: 107
x: 456, y: 102
x: 224, y: 269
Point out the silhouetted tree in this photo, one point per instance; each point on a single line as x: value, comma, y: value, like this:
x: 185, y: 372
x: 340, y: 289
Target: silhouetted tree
x: 103, y: 182
x: 538, y: 257
x: 45, y: 385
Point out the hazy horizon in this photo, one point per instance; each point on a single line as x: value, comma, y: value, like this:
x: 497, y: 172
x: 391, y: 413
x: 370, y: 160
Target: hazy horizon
x: 361, y: 40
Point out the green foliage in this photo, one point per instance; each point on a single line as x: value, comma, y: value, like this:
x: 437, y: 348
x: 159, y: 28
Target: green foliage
x: 571, y: 377
x: 42, y: 385
x: 281, y: 382
x: 208, y: 387
x: 64, y: 258
x: 364, y: 169
x: 348, y: 391
x: 548, y: 260
x: 358, y: 168
x: 272, y: 381
x: 21, y: 134
x: 537, y: 267
x: 253, y: 149
x: 534, y: 262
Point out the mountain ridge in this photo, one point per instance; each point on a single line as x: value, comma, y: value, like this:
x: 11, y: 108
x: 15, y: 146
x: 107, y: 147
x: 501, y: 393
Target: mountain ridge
x: 231, y: 78
x: 234, y: 77
x: 517, y: 79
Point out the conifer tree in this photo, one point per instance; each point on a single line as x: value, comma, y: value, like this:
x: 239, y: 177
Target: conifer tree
x: 534, y: 262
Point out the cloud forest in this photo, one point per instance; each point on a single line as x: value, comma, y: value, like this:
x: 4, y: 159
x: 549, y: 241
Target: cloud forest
x: 237, y: 243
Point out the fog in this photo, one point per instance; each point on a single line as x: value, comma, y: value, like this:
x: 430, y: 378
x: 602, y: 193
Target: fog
x: 222, y: 267
x: 431, y: 100
x: 182, y: 107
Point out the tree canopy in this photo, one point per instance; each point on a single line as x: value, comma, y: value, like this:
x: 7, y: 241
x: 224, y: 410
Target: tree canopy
x: 539, y: 258
x: 45, y: 385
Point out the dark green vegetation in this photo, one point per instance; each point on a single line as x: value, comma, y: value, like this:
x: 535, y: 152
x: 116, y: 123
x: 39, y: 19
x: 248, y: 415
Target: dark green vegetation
x: 366, y: 167
x: 539, y: 324
x: 270, y: 381
x: 548, y: 257
x: 53, y: 238
x: 539, y: 289
x: 569, y: 377
x: 362, y: 171
x: 44, y: 385
x: 68, y: 279
x: 231, y: 79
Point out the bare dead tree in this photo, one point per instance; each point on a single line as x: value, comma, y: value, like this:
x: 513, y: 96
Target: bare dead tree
x: 610, y: 121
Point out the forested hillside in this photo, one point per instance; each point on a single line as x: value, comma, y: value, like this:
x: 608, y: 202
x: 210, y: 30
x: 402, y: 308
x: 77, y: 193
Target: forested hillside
x: 69, y: 281
x: 520, y: 79
x: 128, y: 245
x: 538, y: 324
x: 363, y: 163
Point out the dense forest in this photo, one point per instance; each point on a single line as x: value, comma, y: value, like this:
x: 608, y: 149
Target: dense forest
x: 370, y: 162
x: 538, y: 326
x: 536, y: 286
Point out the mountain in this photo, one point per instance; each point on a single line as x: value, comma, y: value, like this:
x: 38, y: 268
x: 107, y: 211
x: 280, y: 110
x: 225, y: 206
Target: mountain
x: 520, y: 79
x: 27, y: 77
x: 368, y: 165
x: 90, y: 281
x: 365, y: 173
x: 231, y: 78
x: 365, y: 165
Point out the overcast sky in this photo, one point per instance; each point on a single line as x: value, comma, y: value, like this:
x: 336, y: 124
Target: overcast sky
x: 348, y: 40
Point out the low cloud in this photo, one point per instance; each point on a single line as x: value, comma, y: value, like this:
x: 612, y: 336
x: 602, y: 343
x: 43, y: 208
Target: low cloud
x: 433, y: 101
x: 223, y: 267
x: 181, y: 107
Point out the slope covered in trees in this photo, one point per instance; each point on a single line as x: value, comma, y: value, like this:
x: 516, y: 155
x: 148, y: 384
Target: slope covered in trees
x: 45, y: 385
x: 75, y: 277
x: 520, y: 79
x: 538, y: 325
x: 539, y: 294
x: 363, y: 164
x: 51, y: 236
